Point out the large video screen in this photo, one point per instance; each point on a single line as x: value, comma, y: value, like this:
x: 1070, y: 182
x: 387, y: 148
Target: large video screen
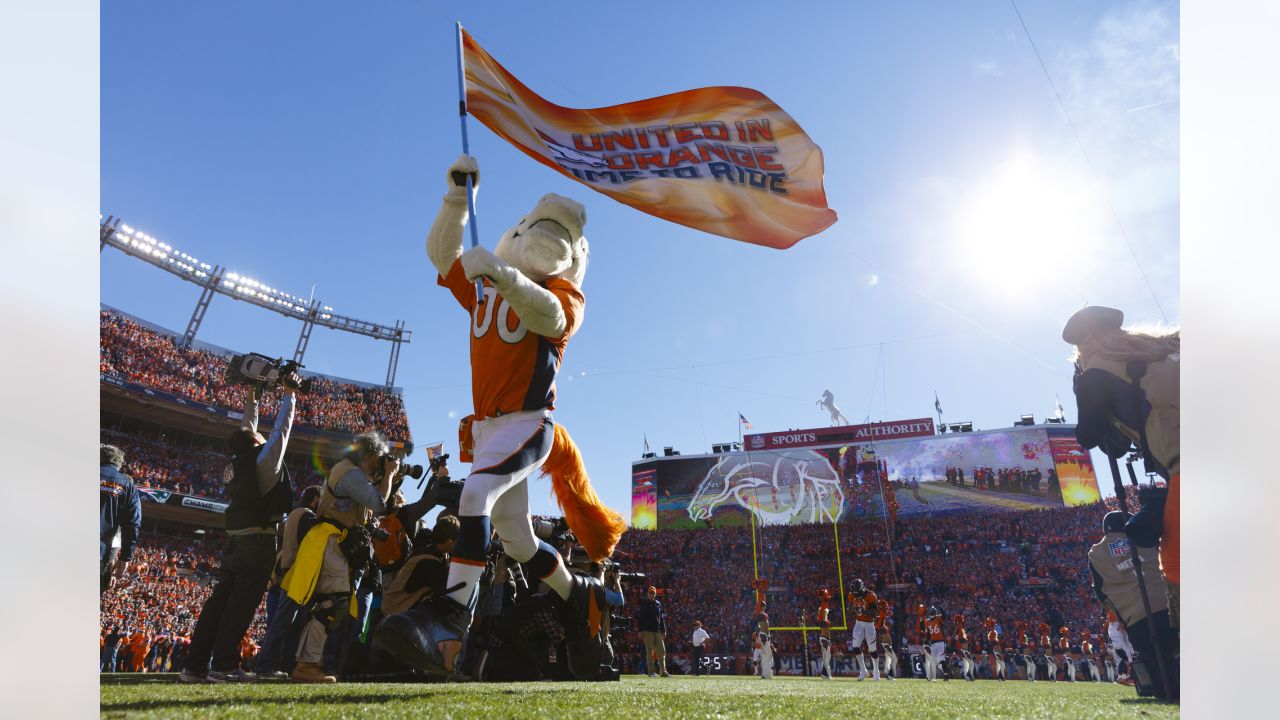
x: 1016, y: 469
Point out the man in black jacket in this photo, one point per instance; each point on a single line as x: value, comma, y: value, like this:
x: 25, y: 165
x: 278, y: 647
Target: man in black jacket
x: 120, y: 516
x: 653, y: 626
x: 260, y: 496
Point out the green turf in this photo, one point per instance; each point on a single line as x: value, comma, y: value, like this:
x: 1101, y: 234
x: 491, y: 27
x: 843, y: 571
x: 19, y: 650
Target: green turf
x: 159, y: 696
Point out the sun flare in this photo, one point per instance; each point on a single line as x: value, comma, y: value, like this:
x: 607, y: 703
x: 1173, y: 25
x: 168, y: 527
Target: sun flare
x: 1023, y: 225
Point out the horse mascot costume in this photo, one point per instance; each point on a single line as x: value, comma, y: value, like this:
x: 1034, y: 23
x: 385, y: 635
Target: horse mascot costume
x: 532, y: 304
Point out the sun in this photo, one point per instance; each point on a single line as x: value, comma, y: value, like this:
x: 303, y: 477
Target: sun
x: 1024, y: 227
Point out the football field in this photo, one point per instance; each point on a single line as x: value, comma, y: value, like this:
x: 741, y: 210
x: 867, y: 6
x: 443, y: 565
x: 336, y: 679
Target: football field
x: 782, y: 698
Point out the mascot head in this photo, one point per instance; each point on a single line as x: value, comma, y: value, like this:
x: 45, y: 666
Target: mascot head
x: 548, y: 242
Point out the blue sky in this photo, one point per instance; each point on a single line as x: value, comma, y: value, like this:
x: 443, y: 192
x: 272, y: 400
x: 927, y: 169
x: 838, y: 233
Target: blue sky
x: 306, y: 144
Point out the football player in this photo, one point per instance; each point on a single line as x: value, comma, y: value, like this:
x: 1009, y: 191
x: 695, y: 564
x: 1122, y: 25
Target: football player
x: 886, y: 642
x: 1120, y: 648
x: 863, y: 602
x: 962, y: 648
x: 937, y: 645
x: 824, y: 641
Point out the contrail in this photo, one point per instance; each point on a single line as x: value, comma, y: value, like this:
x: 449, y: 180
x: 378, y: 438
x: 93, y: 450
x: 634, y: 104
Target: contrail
x: 1145, y: 107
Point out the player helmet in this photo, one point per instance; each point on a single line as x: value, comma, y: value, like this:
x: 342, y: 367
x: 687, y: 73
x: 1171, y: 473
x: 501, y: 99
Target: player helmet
x: 859, y: 586
x: 933, y: 611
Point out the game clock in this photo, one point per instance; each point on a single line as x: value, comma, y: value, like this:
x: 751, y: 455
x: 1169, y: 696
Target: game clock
x: 718, y: 664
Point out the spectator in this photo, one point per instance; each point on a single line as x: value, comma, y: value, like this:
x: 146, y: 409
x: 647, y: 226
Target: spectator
x: 653, y: 626
x: 120, y: 516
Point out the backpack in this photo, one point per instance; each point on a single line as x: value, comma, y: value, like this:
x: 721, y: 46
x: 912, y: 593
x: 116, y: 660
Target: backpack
x: 394, y: 548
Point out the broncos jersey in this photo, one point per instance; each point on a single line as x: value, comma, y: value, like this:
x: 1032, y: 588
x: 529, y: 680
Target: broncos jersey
x: 933, y: 628
x: 864, y: 606
x: 512, y: 369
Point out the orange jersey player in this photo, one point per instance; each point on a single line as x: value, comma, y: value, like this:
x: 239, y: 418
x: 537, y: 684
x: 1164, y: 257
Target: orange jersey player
x: 962, y: 635
x: 863, y: 602
x: 824, y: 638
x: 886, y: 642
x: 936, y: 648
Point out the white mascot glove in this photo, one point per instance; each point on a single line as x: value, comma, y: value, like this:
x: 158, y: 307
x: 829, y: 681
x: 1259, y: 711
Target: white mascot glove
x: 444, y: 240
x: 456, y: 177
x: 536, y: 306
x: 479, y: 262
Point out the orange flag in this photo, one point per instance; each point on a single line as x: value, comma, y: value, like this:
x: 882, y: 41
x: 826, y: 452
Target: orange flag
x: 725, y: 160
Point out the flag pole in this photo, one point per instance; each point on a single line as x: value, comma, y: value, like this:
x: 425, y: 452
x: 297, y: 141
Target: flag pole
x: 937, y: 405
x: 466, y: 150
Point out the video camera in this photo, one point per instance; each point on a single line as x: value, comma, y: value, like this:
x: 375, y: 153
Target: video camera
x: 443, y: 491
x: 259, y: 371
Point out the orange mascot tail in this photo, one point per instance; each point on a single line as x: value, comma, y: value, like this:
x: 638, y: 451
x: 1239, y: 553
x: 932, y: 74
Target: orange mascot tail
x: 596, y: 526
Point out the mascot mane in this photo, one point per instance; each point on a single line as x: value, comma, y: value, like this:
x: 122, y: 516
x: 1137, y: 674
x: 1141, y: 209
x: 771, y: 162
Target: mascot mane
x: 596, y: 527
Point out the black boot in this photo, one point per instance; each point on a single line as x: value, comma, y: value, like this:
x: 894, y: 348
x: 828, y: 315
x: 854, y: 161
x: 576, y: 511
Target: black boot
x: 582, y: 615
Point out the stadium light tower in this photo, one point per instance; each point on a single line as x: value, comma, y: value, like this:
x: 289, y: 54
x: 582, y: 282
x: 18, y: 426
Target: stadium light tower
x: 215, y: 279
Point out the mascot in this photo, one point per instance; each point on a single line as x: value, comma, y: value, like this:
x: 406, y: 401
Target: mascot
x: 532, y: 304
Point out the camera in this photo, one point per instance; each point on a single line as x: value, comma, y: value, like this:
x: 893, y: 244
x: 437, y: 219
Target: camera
x: 436, y: 463
x: 257, y: 370
x: 443, y: 491
x: 613, y: 568
x: 413, y: 471
x: 554, y: 532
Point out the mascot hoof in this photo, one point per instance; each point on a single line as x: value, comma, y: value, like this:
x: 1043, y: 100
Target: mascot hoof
x: 582, y: 615
x: 414, y: 637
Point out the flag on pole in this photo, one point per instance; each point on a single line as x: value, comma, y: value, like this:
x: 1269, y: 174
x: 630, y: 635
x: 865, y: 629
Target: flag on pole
x: 646, y: 443
x: 1061, y: 413
x: 724, y: 160
x: 743, y: 421
x: 937, y: 404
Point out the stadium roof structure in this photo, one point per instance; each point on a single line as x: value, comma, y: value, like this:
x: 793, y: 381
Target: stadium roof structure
x: 214, y: 279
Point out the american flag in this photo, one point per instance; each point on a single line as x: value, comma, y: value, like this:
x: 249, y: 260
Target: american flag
x: 744, y: 421
x: 937, y: 404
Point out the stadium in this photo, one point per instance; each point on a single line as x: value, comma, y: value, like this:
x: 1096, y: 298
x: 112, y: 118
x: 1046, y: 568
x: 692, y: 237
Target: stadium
x: 285, y: 534
x: 987, y: 525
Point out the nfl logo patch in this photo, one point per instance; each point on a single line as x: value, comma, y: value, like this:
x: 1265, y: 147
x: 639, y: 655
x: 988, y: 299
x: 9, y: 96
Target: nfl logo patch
x: 1119, y: 548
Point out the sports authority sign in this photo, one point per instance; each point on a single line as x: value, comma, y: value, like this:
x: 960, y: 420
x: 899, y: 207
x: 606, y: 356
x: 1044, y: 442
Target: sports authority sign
x: 843, y: 434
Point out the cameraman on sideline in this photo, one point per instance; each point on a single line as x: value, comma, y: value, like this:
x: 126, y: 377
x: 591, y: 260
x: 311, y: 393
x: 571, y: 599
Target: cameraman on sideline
x: 260, y: 495
x: 120, y: 516
x: 334, y: 555
x: 1116, y: 584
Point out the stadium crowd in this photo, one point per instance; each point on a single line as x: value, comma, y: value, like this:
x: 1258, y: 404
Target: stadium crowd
x: 138, y: 354
x: 1021, y: 568
x: 1018, y: 567
x: 154, y: 462
x: 146, y: 618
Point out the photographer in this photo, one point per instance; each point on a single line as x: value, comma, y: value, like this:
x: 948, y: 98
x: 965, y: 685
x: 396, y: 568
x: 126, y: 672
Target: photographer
x: 1127, y: 388
x: 286, y: 621
x: 425, y: 572
x: 1116, y: 584
x: 335, y: 553
x: 260, y: 495
x: 120, y: 516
